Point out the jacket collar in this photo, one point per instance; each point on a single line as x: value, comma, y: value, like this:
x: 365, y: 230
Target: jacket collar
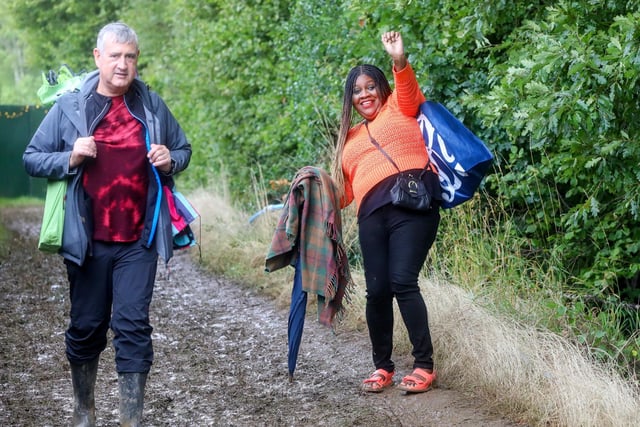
x: 90, y: 83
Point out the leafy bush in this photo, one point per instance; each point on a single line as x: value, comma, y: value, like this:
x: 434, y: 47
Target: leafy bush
x: 565, y: 99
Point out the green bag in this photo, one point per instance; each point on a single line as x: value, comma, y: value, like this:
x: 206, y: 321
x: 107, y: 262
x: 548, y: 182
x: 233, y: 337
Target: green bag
x: 53, y: 218
x: 55, y: 84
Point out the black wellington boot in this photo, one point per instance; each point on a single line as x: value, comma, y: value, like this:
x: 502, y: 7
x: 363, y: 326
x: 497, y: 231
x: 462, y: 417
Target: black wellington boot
x: 131, y: 398
x: 83, y: 378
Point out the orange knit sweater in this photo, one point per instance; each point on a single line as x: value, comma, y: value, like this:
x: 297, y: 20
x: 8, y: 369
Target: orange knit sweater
x: 398, y: 133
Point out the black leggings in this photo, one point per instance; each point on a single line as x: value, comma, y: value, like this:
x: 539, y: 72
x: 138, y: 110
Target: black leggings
x: 395, y: 243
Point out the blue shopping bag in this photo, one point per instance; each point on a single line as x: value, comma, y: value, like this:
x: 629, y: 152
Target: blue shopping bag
x: 461, y: 158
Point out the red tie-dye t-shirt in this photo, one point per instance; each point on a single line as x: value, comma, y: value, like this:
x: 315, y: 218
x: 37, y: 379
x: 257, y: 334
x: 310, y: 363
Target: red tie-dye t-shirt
x: 117, y: 180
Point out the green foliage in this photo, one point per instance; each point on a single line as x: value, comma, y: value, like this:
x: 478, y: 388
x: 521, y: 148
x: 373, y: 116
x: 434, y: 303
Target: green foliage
x: 237, y: 111
x: 39, y: 35
x: 154, y: 34
x: 16, y: 78
x: 566, y: 98
x: 62, y: 31
x: 610, y: 329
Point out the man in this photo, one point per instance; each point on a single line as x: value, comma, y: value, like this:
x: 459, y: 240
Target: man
x: 117, y: 144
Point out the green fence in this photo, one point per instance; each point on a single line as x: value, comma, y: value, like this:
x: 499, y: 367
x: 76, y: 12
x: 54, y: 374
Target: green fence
x: 17, y: 125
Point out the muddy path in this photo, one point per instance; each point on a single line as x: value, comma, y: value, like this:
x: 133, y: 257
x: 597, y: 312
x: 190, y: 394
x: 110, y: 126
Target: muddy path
x: 220, y: 356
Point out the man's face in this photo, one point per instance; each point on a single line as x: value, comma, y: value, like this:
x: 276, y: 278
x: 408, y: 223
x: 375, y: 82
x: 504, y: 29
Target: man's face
x: 118, y: 64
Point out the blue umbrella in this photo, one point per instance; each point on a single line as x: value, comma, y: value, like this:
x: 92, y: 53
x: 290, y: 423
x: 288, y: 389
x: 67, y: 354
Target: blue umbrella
x: 297, y: 312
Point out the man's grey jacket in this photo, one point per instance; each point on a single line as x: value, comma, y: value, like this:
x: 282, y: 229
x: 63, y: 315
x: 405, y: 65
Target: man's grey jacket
x: 76, y: 114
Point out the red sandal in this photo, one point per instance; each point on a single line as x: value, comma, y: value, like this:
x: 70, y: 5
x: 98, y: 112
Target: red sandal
x: 378, y: 381
x: 419, y: 381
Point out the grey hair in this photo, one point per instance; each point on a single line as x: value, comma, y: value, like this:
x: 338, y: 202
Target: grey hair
x: 121, y: 33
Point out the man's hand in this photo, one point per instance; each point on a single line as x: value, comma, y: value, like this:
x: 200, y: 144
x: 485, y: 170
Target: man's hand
x: 83, y: 147
x: 160, y: 157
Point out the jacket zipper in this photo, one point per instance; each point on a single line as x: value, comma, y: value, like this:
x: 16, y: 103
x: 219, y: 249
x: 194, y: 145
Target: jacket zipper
x: 147, y: 141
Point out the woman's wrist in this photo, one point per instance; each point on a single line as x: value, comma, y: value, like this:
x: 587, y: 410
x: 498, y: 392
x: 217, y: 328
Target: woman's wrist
x: 399, y: 63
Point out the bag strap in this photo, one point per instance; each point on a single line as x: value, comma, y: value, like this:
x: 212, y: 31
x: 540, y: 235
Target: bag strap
x: 377, y: 145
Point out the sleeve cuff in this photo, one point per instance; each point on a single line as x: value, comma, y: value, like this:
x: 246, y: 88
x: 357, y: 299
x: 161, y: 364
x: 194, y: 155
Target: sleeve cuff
x: 172, y: 170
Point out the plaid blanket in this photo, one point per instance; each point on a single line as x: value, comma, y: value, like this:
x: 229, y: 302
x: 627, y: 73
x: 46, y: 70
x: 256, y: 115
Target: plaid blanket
x: 310, y: 228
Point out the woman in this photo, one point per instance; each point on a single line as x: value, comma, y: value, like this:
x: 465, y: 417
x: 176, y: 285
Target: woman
x: 394, y: 241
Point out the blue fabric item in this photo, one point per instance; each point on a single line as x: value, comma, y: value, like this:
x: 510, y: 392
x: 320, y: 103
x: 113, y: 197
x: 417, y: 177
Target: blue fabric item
x: 264, y: 210
x: 297, y: 313
x: 182, y: 214
x: 461, y: 158
x: 184, y: 207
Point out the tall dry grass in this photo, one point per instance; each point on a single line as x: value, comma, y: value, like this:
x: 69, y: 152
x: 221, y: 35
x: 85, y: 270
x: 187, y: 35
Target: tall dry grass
x: 520, y: 369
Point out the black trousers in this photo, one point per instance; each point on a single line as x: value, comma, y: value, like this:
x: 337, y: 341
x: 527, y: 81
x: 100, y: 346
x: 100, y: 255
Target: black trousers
x: 113, y: 289
x: 395, y: 243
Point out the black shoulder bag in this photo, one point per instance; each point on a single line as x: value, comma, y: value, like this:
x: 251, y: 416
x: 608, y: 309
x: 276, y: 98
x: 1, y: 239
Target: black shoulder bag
x: 409, y: 191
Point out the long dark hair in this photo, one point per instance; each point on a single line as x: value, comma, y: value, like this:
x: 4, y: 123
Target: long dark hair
x: 384, y: 91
